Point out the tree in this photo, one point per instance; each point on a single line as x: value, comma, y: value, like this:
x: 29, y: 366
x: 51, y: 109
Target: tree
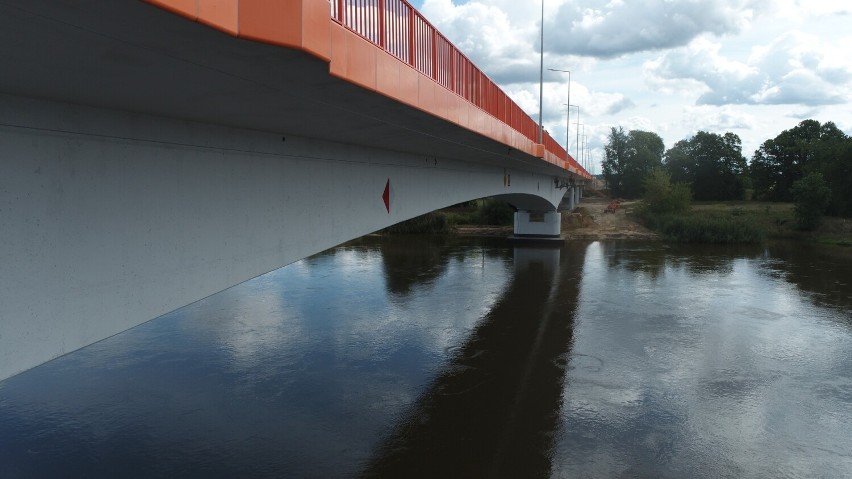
x: 839, y: 175
x: 663, y: 197
x: 629, y: 158
x: 781, y: 161
x: 646, y: 153
x: 812, y: 197
x: 712, y: 164
x: 615, y: 152
x: 832, y: 156
x: 679, y: 163
x: 808, y: 147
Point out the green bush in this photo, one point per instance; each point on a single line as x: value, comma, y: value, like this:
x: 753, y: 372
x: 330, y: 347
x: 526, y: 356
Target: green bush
x: 494, y: 211
x: 663, y: 197
x: 490, y: 211
x: 665, y: 208
x: 812, y: 198
x: 430, y: 223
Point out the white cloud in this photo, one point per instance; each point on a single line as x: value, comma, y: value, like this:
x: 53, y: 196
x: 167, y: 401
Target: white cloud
x: 797, y: 9
x: 753, y: 67
x: 622, y: 104
x: 717, y: 119
x: 609, y: 29
x: 641, y: 123
x: 795, y: 68
x: 487, y: 33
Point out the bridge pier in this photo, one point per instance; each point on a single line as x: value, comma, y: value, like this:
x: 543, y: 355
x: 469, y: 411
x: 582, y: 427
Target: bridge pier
x: 538, y: 225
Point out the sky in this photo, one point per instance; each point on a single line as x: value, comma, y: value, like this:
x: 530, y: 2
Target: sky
x: 673, y: 67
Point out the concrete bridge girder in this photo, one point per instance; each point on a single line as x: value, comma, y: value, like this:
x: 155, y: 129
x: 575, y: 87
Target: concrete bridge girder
x: 200, y: 161
x: 530, y: 202
x: 109, y: 218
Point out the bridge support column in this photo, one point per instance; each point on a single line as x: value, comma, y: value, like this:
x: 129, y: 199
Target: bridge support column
x: 570, y: 195
x: 531, y: 224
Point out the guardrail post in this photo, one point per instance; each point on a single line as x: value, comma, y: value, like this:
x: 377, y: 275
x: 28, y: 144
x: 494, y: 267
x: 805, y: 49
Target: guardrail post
x: 452, y: 59
x: 411, y: 37
x: 434, y: 54
x: 381, y: 25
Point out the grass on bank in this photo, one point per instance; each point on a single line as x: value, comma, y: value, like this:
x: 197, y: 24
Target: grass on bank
x: 697, y: 226
x: 774, y: 220
x: 835, y: 241
x: 746, y: 221
x: 666, y: 208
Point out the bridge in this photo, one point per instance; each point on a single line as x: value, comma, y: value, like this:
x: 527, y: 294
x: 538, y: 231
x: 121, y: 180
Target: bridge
x: 157, y: 152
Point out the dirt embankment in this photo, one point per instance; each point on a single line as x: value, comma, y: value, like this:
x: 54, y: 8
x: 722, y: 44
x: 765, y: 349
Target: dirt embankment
x: 590, y: 221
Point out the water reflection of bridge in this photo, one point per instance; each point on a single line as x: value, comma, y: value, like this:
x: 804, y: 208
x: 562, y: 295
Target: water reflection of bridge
x: 493, y: 411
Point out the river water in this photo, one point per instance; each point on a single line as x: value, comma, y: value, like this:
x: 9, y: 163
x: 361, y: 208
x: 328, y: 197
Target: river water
x: 466, y: 357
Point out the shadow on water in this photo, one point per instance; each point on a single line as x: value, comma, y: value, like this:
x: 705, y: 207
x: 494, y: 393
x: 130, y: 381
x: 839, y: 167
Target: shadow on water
x: 494, y: 409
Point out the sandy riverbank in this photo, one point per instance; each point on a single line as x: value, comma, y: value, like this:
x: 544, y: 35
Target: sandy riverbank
x: 589, y: 221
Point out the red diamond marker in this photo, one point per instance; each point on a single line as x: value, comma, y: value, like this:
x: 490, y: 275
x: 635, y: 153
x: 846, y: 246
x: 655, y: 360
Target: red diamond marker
x: 386, y: 196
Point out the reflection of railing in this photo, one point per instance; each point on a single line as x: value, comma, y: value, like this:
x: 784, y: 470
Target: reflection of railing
x: 399, y: 29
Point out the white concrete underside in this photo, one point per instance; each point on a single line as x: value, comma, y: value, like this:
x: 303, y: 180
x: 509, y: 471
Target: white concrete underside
x: 109, y: 219
x: 548, y: 225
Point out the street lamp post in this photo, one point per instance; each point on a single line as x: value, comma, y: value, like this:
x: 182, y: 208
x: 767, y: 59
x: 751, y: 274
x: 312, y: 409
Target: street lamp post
x: 541, y: 81
x: 578, y: 130
x: 578, y: 126
x: 568, y: 119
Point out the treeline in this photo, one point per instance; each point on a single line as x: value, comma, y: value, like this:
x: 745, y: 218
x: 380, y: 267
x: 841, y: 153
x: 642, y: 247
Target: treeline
x: 810, y: 160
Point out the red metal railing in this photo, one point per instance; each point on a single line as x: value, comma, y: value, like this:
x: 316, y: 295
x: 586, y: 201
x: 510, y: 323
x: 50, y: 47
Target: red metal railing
x: 399, y: 29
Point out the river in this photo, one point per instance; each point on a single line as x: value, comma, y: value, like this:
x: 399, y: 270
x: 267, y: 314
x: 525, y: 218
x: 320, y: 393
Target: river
x: 466, y: 357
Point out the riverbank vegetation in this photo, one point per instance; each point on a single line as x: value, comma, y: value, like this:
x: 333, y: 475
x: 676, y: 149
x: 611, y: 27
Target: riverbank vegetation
x: 666, y: 208
x: 434, y: 222
x: 809, y: 166
x: 482, y: 212
x: 702, y: 189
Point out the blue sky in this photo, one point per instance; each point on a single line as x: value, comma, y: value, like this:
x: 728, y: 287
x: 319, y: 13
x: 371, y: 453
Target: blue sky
x: 751, y: 67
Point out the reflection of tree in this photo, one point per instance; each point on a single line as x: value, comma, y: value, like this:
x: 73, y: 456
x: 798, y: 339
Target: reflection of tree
x: 825, y: 272
x: 645, y: 257
x: 703, y: 259
x: 494, y: 410
x: 697, y: 259
x: 821, y: 270
x: 410, y: 260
